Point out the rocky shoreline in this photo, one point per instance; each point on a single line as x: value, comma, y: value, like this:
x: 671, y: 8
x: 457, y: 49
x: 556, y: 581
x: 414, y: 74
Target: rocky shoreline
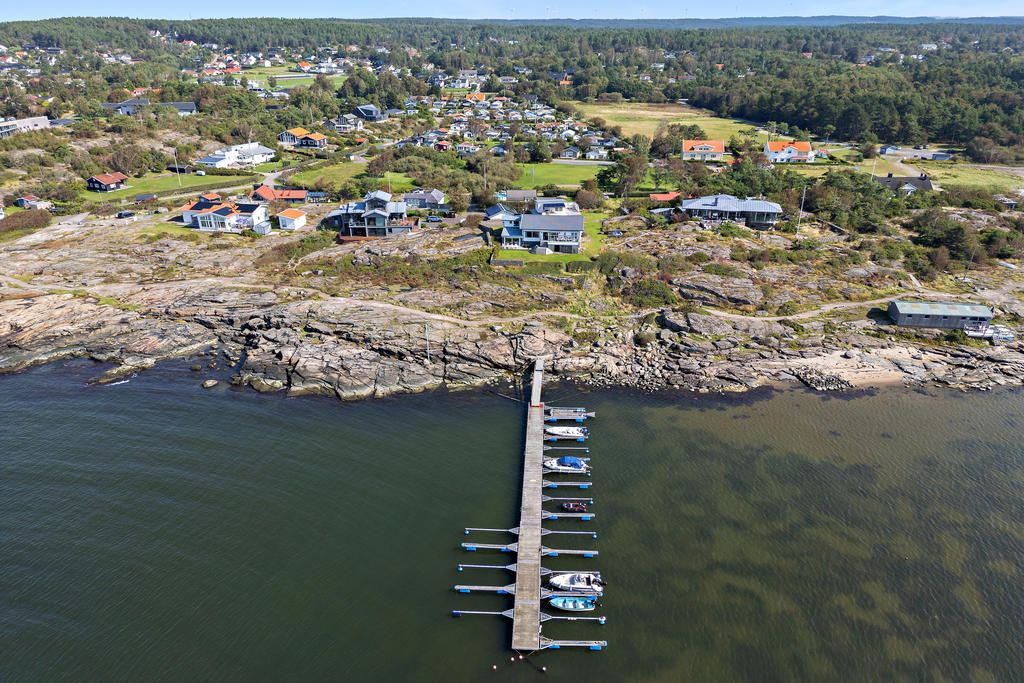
x: 355, y: 349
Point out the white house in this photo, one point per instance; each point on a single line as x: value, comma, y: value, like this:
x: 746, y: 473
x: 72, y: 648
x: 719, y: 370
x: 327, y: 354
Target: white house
x: 291, y: 219
x: 210, y: 213
x: 782, y: 151
x: 246, y: 154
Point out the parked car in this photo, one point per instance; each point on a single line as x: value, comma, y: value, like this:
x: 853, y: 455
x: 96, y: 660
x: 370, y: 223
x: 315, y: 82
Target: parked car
x: 125, y: 214
x: 200, y: 173
x: 433, y: 219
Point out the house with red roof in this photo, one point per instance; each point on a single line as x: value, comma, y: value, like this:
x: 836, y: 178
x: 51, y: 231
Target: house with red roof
x: 212, y: 214
x: 703, y: 150
x: 316, y: 140
x: 106, y: 182
x: 266, y: 193
x: 785, y: 151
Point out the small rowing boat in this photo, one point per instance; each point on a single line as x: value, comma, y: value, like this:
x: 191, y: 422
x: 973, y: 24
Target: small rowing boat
x: 575, y: 603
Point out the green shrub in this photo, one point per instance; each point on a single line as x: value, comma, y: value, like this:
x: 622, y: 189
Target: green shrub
x: 651, y: 293
x: 722, y: 270
x: 733, y: 230
x: 581, y: 266
x: 788, y: 308
x: 956, y: 336
x: 30, y: 219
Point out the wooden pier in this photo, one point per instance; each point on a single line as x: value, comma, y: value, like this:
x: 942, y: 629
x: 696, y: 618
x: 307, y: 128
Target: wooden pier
x: 526, y: 613
x: 527, y: 591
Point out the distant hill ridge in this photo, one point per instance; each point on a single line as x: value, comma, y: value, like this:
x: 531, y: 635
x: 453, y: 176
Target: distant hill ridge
x: 737, y: 22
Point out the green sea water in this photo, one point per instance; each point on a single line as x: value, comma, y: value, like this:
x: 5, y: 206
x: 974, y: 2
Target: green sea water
x: 153, y: 530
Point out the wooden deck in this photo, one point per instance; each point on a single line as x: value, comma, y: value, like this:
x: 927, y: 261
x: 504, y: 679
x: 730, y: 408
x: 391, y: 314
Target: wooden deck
x: 526, y: 613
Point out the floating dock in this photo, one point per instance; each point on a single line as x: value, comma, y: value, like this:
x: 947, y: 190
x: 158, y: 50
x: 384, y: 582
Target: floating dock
x: 527, y: 591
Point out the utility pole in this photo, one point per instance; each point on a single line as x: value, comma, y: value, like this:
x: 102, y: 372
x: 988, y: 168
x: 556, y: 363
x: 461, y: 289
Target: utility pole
x: 873, y: 168
x: 800, y: 215
x: 969, y: 262
x: 177, y: 171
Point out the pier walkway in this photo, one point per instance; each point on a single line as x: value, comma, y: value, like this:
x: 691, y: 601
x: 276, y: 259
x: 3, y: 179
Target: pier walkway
x: 526, y: 613
x: 527, y: 591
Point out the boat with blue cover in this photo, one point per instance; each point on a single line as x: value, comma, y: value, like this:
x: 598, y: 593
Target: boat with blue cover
x: 567, y: 463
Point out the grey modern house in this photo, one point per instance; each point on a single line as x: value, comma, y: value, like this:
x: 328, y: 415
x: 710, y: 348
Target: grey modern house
x: 554, y: 225
x: 433, y: 200
x: 371, y: 113
x: 939, y: 314
x: 725, y: 207
x: 375, y: 216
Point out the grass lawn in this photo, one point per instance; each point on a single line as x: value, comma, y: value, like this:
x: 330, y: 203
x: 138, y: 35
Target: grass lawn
x: 815, y: 171
x: 591, y: 247
x: 535, y: 175
x: 267, y: 167
x: 972, y: 177
x: 158, y: 183
x: 307, y: 81
x: 643, y: 117
x: 339, y: 174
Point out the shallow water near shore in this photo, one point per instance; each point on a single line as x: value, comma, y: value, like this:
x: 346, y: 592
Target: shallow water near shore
x: 153, y: 530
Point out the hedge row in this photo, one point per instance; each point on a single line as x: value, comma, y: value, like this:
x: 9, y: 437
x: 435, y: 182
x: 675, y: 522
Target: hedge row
x: 206, y: 187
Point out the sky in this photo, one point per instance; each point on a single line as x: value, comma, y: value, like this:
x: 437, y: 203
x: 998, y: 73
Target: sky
x: 507, y: 9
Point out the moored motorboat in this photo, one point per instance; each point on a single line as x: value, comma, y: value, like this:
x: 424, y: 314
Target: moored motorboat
x: 577, y: 581
x: 574, y: 507
x: 567, y: 463
x: 582, y: 603
x: 567, y: 432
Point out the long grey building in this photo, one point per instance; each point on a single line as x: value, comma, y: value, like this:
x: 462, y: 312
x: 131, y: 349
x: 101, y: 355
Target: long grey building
x: 939, y: 314
x: 725, y: 207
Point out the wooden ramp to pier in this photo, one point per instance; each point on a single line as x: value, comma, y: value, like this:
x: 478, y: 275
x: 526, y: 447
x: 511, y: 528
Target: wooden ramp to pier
x: 526, y: 613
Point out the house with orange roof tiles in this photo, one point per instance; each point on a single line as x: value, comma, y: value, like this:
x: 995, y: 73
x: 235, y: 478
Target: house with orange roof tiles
x: 291, y: 219
x: 292, y: 135
x: 217, y: 215
x: 316, y: 140
x: 785, y: 151
x: 703, y: 150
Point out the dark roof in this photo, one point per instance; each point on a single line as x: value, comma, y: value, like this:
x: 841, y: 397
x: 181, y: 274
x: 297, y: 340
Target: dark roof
x: 921, y: 182
x: 520, y: 195
x: 535, y: 221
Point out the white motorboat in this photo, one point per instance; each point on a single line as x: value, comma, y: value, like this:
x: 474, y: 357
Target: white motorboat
x: 589, y: 582
x: 567, y: 463
x: 567, y: 432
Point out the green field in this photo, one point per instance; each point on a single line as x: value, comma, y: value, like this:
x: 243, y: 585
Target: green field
x: 591, y: 246
x: 972, y: 177
x: 535, y: 175
x: 159, y: 183
x: 337, y: 175
x: 644, y: 118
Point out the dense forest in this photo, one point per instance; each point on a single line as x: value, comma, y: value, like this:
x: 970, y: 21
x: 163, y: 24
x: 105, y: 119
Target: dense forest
x: 860, y: 81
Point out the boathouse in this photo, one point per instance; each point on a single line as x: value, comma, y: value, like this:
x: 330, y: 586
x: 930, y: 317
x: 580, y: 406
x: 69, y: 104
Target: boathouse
x: 938, y: 314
